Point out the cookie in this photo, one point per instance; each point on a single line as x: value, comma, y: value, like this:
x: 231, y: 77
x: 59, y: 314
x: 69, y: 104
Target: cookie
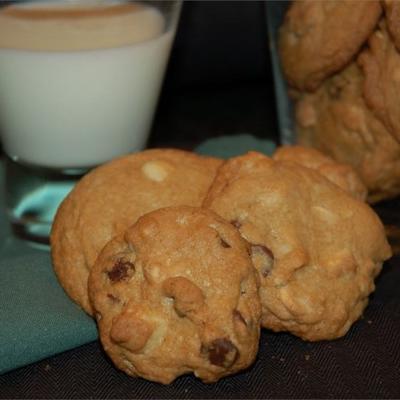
x: 317, y: 249
x: 112, y: 197
x: 380, y: 63
x: 392, y: 14
x: 318, y: 38
x: 336, y: 121
x: 342, y: 175
x: 177, y: 293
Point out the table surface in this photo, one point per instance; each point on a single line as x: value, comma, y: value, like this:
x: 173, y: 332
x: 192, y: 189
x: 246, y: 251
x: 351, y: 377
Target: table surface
x: 363, y: 364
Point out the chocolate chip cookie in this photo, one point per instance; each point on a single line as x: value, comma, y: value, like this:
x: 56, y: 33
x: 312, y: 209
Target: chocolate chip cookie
x: 111, y: 198
x: 337, y: 121
x: 380, y: 63
x: 392, y: 14
x: 318, y: 38
x: 342, y: 175
x: 317, y: 249
x: 177, y: 293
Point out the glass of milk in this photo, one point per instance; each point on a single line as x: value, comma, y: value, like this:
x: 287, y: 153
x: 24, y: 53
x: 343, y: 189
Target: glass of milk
x: 79, y: 83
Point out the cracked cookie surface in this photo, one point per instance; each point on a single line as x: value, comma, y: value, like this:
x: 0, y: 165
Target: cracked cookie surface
x: 318, y: 38
x: 177, y: 293
x: 111, y: 198
x: 317, y: 249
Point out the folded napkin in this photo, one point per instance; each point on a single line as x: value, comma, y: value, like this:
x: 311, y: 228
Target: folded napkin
x: 37, y: 319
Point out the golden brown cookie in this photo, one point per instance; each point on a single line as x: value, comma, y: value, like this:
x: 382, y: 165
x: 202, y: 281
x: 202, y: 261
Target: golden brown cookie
x: 177, y: 293
x: 112, y: 197
x: 392, y: 13
x: 316, y: 248
x: 342, y: 175
x: 380, y: 63
x: 336, y: 121
x: 318, y: 38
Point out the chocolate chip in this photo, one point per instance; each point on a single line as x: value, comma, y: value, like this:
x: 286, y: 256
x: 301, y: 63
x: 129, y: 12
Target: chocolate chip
x: 243, y: 287
x: 259, y: 248
x: 265, y: 272
x: 236, y: 224
x: 112, y: 298
x: 239, y: 317
x: 221, y: 352
x: 121, y: 270
x: 225, y: 244
x: 335, y: 91
x: 263, y: 258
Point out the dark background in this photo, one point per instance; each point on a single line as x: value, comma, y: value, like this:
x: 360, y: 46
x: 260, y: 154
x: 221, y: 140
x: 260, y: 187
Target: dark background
x: 219, y: 77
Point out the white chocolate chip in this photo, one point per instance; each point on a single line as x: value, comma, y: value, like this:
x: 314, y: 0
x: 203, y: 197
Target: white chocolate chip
x: 156, y: 170
x: 155, y: 273
x: 324, y: 214
x: 182, y: 220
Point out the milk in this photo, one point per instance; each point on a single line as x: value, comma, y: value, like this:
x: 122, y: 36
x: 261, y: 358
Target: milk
x: 79, y: 84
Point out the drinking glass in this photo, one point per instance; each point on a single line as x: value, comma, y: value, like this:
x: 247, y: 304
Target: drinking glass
x: 275, y: 12
x: 79, y: 84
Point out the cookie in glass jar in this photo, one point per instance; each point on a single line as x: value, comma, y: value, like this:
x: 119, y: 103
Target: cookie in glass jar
x: 319, y: 38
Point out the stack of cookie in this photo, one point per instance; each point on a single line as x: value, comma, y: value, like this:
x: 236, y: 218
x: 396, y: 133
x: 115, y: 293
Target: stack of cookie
x: 342, y: 63
x: 182, y: 259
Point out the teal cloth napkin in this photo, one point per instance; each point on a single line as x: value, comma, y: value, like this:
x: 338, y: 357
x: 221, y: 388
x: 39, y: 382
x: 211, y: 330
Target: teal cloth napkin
x: 231, y: 146
x: 37, y: 319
